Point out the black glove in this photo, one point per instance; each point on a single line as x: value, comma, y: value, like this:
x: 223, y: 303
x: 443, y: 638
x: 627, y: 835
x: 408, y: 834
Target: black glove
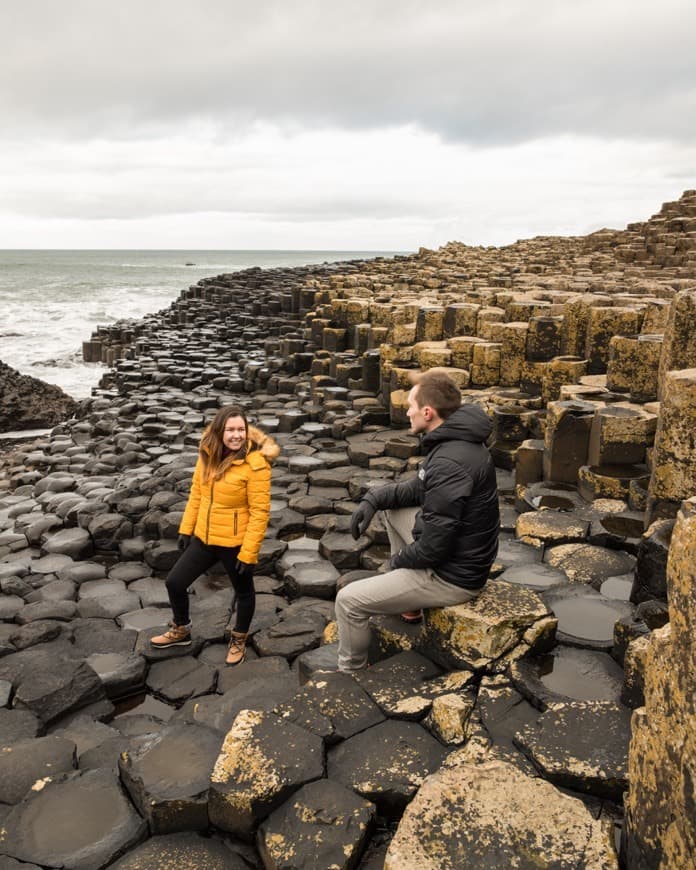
x: 361, y: 518
x: 244, y: 570
x: 183, y: 541
x: 394, y: 561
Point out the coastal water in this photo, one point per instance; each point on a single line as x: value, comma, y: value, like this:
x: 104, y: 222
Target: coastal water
x: 51, y: 301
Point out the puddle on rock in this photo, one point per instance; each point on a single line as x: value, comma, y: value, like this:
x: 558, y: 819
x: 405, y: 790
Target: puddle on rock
x: 584, y: 675
x: 591, y: 619
x: 618, y: 588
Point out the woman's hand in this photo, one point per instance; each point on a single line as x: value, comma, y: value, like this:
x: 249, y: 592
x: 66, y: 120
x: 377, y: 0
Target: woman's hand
x: 244, y: 570
x: 183, y: 541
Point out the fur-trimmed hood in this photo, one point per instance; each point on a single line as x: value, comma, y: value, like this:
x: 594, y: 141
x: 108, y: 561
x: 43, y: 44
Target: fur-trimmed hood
x: 262, y: 442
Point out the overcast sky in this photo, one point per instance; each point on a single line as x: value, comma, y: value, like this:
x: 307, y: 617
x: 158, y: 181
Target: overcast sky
x: 361, y: 125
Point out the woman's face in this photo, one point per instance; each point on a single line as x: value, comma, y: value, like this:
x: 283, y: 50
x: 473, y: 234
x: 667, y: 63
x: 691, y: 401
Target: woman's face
x: 235, y: 433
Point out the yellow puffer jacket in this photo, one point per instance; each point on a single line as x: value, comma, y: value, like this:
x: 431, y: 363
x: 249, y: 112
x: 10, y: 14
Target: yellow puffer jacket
x: 233, y: 510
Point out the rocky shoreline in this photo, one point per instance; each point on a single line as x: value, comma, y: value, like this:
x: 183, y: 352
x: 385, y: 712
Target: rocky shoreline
x: 497, y: 731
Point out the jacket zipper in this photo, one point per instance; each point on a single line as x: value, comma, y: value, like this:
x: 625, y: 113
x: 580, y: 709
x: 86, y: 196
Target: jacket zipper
x: 235, y: 523
x: 210, y: 507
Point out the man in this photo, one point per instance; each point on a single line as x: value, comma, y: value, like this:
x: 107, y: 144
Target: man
x: 442, y: 525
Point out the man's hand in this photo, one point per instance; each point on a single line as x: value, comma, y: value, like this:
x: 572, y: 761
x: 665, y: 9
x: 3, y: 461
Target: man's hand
x: 183, y: 541
x: 244, y: 570
x: 394, y: 561
x: 361, y: 519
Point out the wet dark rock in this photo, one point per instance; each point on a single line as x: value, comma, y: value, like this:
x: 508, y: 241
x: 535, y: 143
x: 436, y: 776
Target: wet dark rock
x: 182, y: 850
x: 341, y: 550
x: 121, y: 674
x: 60, y: 610
x: 168, y: 777
x: 333, y: 706
x: 269, y: 666
x: 81, y: 572
x: 29, y: 403
x: 48, y: 685
x: 24, y: 762
x: 180, y: 678
x: 322, y: 659
x: 99, y: 635
x: 75, y: 543
x: 582, y: 745
x: 16, y: 725
x: 107, y: 530
x: 650, y: 579
x: 259, y: 692
x: 263, y: 760
x: 87, y: 735
x: 321, y: 825
x: 82, y: 821
x: 503, y: 711
x: 55, y: 590
x: 534, y: 576
x: 34, y: 633
x: 386, y: 764
x: 398, y: 684
x: 108, y: 606
x: 312, y: 578
x: 290, y: 636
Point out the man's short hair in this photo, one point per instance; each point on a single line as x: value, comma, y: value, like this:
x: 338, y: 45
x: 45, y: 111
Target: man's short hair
x: 438, y: 390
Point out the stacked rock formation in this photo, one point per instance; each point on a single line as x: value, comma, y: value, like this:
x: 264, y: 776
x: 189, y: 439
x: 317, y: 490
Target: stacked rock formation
x: 569, y: 344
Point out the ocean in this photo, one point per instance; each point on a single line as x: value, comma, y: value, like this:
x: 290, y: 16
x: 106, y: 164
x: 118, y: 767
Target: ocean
x: 51, y: 301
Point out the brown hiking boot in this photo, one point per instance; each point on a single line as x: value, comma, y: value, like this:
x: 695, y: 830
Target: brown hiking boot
x: 237, y: 648
x: 176, y: 635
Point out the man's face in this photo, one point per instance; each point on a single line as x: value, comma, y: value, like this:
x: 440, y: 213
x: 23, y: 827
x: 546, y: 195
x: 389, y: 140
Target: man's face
x: 415, y: 413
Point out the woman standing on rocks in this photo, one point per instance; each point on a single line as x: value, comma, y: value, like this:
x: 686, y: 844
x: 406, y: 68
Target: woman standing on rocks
x: 225, y: 520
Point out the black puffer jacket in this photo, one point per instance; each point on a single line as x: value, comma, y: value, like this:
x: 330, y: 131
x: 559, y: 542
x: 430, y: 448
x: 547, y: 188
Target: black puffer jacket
x: 456, y: 530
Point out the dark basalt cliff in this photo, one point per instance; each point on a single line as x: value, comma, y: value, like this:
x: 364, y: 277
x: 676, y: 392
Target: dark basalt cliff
x: 28, y: 403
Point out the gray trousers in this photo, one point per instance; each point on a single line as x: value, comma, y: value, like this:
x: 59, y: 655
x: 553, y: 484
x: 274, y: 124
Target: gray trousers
x: 394, y: 592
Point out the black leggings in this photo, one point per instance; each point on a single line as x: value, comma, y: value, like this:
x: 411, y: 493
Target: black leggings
x: 196, y: 559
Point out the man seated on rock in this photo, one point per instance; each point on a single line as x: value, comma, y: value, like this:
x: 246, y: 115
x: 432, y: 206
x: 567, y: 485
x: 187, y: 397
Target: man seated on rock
x: 443, y: 524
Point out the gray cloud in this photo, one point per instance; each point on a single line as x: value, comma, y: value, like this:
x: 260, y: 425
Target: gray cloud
x: 479, y: 72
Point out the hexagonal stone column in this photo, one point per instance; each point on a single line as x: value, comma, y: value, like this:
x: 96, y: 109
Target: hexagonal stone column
x: 263, y: 760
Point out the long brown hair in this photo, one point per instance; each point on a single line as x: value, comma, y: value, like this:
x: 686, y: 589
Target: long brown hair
x: 211, y: 449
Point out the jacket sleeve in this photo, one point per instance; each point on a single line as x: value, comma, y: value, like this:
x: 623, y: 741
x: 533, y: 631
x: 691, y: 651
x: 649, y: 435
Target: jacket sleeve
x: 259, y: 502
x: 407, y: 493
x: 447, y: 486
x: 188, y: 521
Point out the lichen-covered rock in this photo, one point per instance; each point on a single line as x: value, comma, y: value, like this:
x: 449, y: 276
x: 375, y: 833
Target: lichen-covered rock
x: 493, y: 815
x: 475, y: 633
x: 581, y: 745
x: 321, y: 825
x: 550, y: 527
x: 449, y: 717
x: 263, y: 760
x: 660, y: 818
x: 386, y: 764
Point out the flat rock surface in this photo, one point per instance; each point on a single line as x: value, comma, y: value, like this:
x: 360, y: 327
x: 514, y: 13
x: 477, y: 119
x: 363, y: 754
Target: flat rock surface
x: 332, y: 706
x: 321, y: 825
x: 168, y: 777
x: 23, y: 763
x: 492, y: 815
x: 582, y: 745
x: 386, y: 764
x: 82, y: 821
x: 184, y: 851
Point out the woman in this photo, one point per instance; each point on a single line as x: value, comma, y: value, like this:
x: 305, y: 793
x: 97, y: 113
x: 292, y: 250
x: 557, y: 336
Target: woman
x: 225, y: 520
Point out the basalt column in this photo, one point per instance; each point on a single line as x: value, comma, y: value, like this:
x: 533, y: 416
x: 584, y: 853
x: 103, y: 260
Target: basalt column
x: 679, y: 346
x: 661, y: 803
x: 674, y: 458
